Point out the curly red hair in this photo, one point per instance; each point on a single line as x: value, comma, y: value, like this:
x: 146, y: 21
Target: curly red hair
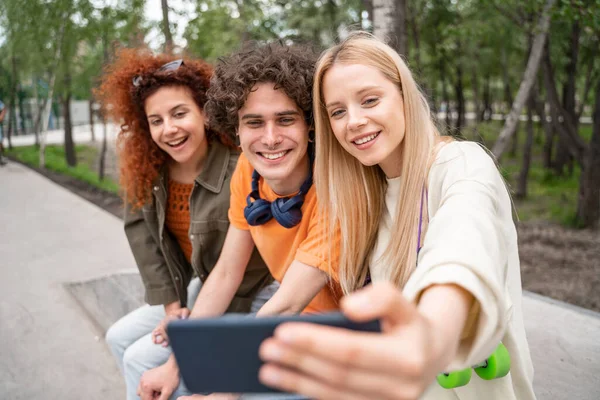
x: 140, y: 158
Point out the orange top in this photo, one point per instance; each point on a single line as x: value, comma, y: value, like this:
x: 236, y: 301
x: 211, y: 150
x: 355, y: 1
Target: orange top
x: 280, y: 246
x: 177, y: 217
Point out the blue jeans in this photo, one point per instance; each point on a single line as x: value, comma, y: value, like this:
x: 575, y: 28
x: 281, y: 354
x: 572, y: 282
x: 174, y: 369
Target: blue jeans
x: 130, y: 339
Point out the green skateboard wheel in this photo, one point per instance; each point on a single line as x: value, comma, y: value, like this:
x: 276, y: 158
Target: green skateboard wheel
x: 454, y: 379
x: 498, y: 364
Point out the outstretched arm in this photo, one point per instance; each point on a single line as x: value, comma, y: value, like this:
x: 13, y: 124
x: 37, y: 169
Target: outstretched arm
x: 332, y: 363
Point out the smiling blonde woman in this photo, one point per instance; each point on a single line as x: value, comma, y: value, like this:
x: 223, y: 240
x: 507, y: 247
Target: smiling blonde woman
x: 428, y: 221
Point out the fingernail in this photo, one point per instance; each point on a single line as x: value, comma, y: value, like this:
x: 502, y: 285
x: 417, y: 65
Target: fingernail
x: 272, y: 352
x: 269, y: 376
x: 285, y: 334
x: 361, y: 301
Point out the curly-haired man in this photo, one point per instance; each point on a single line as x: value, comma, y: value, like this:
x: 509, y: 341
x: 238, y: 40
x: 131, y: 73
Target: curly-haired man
x: 263, y: 96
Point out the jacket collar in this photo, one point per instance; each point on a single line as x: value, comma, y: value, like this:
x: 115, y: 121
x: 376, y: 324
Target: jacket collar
x: 213, y: 172
x: 215, y: 167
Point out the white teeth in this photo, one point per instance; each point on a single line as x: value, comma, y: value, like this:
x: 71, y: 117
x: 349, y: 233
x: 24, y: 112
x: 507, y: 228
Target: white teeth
x: 176, y: 142
x: 366, y: 139
x: 273, y: 156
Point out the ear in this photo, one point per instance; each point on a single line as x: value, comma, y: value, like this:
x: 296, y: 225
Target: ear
x: 311, y: 134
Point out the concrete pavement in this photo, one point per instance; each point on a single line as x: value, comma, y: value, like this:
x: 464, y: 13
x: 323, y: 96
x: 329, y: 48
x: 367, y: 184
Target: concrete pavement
x: 49, y: 236
x: 52, y: 346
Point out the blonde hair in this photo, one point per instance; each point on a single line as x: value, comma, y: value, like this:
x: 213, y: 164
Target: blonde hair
x: 352, y: 194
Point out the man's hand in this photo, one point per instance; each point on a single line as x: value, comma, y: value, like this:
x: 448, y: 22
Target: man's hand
x: 159, y: 334
x: 159, y: 383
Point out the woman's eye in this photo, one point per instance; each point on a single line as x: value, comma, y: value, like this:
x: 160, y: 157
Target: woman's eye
x: 337, y: 113
x: 179, y: 115
x: 370, y: 101
x: 155, y: 122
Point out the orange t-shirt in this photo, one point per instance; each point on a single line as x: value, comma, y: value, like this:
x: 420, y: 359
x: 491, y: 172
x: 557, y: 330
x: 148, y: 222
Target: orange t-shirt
x: 280, y: 246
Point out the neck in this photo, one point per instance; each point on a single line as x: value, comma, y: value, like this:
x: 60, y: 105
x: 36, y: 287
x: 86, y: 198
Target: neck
x: 392, y: 165
x: 292, y: 183
x: 188, y: 172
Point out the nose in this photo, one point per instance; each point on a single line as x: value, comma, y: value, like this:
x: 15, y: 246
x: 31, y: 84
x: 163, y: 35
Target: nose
x: 270, y: 137
x: 356, y: 119
x: 169, y: 126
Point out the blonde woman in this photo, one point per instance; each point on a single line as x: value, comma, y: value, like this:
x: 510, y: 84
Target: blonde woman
x: 429, y: 221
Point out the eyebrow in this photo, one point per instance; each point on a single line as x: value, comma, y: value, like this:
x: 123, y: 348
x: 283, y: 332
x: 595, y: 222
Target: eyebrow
x: 279, y: 114
x: 361, y: 91
x: 171, y: 110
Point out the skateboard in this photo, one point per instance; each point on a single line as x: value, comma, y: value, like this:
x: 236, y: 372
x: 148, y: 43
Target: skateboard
x: 495, y: 366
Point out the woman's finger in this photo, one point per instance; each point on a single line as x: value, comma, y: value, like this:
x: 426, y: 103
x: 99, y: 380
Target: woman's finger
x: 296, y: 382
x: 377, y: 383
x: 364, y: 350
x: 379, y: 301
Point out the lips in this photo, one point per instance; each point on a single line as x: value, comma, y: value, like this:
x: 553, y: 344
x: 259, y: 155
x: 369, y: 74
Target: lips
x: 366, y: 138
x: 274, y: 156
x: 177, y: 142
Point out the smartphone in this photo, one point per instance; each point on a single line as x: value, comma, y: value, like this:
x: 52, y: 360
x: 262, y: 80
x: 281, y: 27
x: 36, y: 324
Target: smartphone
x: 220, y: 355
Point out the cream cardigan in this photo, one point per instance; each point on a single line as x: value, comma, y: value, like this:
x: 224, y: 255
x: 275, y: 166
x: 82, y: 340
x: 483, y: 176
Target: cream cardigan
x: 470, y: 241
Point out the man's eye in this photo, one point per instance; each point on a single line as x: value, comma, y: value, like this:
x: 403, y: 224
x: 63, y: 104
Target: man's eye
x: 287, y: 121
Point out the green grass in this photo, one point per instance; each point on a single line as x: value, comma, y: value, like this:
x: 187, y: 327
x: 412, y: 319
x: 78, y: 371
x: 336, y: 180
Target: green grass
x: 55, y: 161
x: 549, y: 197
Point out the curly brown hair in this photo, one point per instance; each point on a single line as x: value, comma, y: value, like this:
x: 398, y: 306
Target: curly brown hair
x: 140, y: 158
x: 290, y: 68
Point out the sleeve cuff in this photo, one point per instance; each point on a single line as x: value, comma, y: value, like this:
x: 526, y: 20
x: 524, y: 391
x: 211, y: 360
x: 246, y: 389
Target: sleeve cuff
x: 156, y: 297
x: 314, y: 261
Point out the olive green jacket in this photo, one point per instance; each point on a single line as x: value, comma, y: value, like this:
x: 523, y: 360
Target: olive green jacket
x: 164, y: 269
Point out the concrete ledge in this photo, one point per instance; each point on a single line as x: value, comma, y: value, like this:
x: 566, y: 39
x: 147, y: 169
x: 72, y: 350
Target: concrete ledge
x: 563, y: 338
x: 108, y: 298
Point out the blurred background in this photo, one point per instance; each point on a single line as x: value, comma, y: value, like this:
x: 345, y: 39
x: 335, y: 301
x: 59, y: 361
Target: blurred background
x: 476, y: 60
x: 522, y: 77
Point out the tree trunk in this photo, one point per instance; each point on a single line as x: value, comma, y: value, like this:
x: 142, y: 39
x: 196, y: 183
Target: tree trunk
x: 12, y: 126
x: 416, y: 36
x: 527, y: 83
x: 588, y: 207
x: 540, y: 107
x: 91, y: 111
x: 508, y: 97
x: 563, y: 157
x: 486, y: 113
x: 384, y: 19
x: 46, y: 116
x: 460, y: 98
x: 102, y: 159
x: 527, y: 150
x: 400, y: 28
x: 476, y: 97
x: 38, y: 112
x: 566, y: 129
x: 167, y: 27
x: 66, y: 104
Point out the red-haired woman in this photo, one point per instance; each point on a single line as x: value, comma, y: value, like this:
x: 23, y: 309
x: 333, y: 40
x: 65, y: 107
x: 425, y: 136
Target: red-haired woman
x: 175, y: 173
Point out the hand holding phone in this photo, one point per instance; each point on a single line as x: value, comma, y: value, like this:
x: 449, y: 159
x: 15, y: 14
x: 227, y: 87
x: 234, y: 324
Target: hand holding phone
x: 220, y: 355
